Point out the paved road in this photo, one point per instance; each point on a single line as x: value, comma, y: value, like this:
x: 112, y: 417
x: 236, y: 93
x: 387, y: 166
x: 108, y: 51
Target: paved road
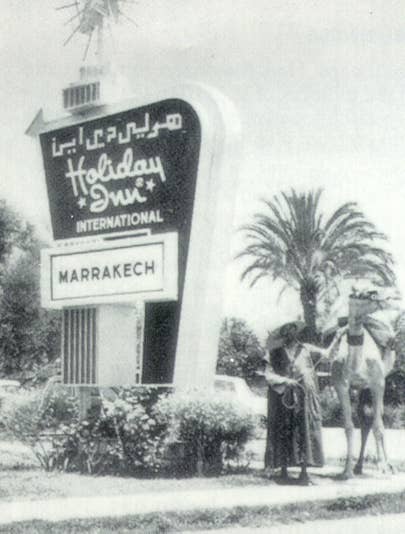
x: 384, y: 524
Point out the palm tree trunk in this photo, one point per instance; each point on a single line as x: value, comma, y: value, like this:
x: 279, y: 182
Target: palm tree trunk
x: 309, y: 301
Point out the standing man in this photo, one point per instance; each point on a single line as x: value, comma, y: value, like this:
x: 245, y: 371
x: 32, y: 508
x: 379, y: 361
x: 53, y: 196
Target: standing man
x: 294, y: 412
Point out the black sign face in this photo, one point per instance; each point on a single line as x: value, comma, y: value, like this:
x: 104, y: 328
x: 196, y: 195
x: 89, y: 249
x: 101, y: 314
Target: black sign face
x: 128, y: 171
x: 131, y: 170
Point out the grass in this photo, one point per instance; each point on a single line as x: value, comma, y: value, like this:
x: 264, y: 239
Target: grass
x: 22, y: 479
x: 36, y: 484
x: 210, y: 519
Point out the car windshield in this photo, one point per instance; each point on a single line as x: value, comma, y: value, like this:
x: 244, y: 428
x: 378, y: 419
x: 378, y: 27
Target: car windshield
x: 244, y: 388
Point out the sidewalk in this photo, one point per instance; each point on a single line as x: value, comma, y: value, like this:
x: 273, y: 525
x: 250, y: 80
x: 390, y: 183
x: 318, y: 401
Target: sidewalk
x: 93, y: 507
x: 385, y: 524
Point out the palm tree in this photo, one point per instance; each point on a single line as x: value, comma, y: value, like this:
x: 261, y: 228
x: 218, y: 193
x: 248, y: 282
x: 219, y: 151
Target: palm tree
x: 292, y: 241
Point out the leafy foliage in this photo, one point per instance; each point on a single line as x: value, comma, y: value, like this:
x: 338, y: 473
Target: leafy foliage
x: 129, y: 434
x: 330, y: 407
x: 292, y: 241
x: 399, y: 342
x: 14, y: 233
x: 121, y: 437
x: 240, y: 352
x: 394, y: 414
x: 25, y: 416
x: 210, y: 428
x: 29, y: 335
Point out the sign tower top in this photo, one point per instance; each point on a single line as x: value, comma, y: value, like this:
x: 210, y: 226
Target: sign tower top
x: 91, y: 18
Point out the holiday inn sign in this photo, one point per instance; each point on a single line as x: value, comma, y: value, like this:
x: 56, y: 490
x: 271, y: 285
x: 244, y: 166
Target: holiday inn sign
x: 143, y: 268
x: 125, y: 171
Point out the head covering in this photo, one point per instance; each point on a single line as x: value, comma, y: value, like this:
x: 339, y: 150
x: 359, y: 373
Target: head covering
x: 276, y: 337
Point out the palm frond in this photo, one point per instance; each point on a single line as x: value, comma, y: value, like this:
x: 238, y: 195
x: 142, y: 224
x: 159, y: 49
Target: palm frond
x: 292, y: 241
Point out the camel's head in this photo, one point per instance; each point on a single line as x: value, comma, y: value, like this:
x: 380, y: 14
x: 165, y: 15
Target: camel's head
x: 378, y: 298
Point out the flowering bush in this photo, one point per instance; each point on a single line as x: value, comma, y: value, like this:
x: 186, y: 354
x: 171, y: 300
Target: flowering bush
x: 121, y: 438
x: 140, y: 435
x: 211, y: 429
x: 131, y: 433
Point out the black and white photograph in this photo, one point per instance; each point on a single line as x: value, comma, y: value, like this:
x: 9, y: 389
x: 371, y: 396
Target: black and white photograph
x: 202, y: 266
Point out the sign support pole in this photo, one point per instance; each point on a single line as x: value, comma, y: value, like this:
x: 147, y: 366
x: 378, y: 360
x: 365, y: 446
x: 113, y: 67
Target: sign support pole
x: 84, y: 395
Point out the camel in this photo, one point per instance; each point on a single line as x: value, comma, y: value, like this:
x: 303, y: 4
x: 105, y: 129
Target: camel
x: 360, y: 362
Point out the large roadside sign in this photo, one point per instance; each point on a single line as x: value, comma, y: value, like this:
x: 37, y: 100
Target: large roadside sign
x: 141, y: 203
x: 116, y: 175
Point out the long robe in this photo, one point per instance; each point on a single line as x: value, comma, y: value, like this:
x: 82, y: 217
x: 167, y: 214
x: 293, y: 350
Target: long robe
x: 294, y: 413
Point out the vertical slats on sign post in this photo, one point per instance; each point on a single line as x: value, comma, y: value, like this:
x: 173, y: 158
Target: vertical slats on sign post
x: 94, y: 347
x: 83, y: 351
x: 65, y: 344
x: 79, y: 346
x: 69, y: 344
x: 139, y: 335
x: 72, y: 374
x: 76, y: 347
x: 88, y: 345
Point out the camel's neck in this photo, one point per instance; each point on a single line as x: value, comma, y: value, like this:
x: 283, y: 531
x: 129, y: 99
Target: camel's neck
x: 355, y: 336
x: 356, y: 316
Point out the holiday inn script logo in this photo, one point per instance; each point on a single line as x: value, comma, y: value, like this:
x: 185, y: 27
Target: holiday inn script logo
x: 124, y: 171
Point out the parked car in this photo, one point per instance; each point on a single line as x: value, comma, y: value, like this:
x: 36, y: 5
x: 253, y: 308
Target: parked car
x: 8, y: 387
x: 239, y: 391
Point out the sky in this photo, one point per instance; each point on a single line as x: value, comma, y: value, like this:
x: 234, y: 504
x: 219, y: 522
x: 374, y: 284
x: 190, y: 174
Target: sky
x: 319, y: 87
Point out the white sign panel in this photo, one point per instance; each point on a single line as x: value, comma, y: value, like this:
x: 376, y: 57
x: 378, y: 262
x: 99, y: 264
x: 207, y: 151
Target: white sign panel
x: 121, y: 271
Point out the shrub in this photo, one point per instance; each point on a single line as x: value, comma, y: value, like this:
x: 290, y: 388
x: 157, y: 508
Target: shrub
x: 86, y: 447
x: 19, y: 413
x: 332, y: 415
x: 394, y: 416
x: 121, y: 437
x: 141, y: 436
x: 331, y: 409
x: 210, y: 430
x: 130, y: 433
x: 35, y: 422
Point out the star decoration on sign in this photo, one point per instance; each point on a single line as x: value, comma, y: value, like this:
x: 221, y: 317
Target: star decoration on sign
x: 81, y: 202
x: 150, y: 185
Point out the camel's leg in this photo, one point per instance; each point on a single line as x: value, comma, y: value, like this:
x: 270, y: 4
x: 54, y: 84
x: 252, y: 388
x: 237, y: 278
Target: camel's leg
x: 342, y: 390
x: 378, y: 426
x: 366, y: 422
x: 365, y: 430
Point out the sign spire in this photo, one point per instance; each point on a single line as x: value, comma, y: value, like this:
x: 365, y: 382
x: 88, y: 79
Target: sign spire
x: 91, y: 19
